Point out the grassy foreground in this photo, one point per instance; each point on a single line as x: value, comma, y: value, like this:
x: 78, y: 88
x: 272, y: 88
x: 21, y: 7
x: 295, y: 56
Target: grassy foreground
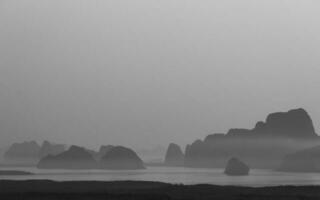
x: 85, y: 190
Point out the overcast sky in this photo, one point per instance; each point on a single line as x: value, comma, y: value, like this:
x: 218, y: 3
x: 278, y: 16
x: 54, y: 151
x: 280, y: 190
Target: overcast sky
x: 148, y: 72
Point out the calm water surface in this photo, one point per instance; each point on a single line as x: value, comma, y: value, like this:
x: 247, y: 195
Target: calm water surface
x: 174, y: 175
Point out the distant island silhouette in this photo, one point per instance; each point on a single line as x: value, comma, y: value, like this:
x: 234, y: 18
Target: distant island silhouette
x: 103, y: 150
x: 121, y: 158
x: 285, y: 141
x: 30, y: 152
x: 27, y: 152
x: 174, y: 156
x: 113, y: 158
x: 264, y: 146
x: 48, y: 148
x: 74, y: 158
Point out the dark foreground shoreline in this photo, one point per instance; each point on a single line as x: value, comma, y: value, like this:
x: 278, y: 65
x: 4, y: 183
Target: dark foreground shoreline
x: 95, y: 190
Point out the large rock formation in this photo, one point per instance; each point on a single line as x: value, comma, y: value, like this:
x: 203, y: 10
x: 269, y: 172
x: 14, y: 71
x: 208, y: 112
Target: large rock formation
x: 74, y: 158
x: 262, y: 147
x: 293, y: 124
x: 236, y: 167
x: 121, y: 158
x: 50, y: 149
x: 22, y: 152
x: 174, y: 156
x: 306, y: 160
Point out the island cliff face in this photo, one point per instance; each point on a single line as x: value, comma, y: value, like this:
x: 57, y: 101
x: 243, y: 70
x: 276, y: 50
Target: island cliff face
x: 50, y: 149
x: 292, y: 124
x: 31, y: 152
x: 174, y: 156
x: 121, y: 158
x: 261, y: 147
x: 23, y: 152
x: 74, y: 158
x: 104, y: 149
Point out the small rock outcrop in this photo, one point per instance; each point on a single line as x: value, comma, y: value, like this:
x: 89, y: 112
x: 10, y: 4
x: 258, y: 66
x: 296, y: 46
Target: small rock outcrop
x: 22, y: 151
x: 307, y: 160
x: 235, y: 167
x: 74, y: 158
x: 174, y: 156
x: 50, y: 149
x: 121, y: 158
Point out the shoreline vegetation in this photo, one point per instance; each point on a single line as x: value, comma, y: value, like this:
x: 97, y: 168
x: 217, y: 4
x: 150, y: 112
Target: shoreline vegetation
x: 96, y: 190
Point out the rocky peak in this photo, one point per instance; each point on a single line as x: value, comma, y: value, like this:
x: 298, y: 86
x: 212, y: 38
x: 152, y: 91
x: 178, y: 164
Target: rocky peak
x: 174, y: 155
x: 295, y: 124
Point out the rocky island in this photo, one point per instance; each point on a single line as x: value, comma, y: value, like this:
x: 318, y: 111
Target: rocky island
x: 25, y: 152
x: 174, y: 156
x: 121, y: 158
x: 264, y: 146
x: 74, y: 158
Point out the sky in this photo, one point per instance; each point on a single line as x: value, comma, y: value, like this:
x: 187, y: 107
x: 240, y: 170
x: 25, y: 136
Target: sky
x: 146, y: 73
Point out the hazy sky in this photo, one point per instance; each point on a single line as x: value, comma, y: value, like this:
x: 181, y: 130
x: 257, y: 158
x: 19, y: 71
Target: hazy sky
x: 148, y: 72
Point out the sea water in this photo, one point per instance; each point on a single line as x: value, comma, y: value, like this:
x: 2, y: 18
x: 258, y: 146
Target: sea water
x: 177, y: 175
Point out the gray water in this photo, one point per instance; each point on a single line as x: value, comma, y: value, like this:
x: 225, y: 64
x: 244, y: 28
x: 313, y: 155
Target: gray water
x: 174, y: 175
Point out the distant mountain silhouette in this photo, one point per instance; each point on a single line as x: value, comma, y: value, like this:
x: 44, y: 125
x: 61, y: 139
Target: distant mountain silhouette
x: 119, y: 157
x: 306, y: 160
x: 23, y: 152
x: 261, y: 147
x: 74, y: 158
x: 50, y: 149
x: 174, y: 155
x: 294, y: 124
x: 235, y: 167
